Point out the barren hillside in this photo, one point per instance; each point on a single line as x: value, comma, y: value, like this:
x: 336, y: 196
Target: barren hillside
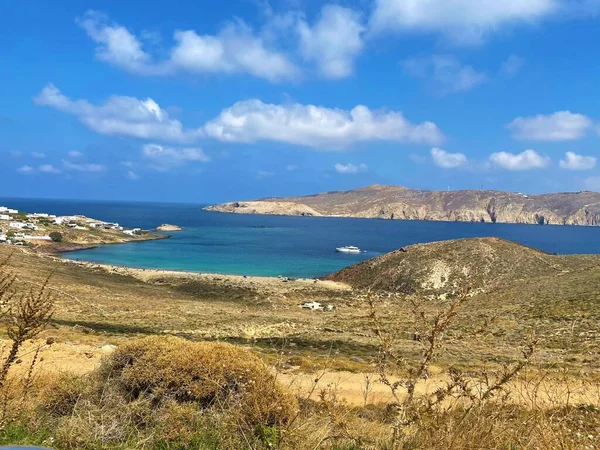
x: 396, y: 202
x: 486, y: 264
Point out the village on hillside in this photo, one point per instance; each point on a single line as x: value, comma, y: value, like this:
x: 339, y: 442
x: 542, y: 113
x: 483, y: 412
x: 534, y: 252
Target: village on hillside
x: 21, y: 228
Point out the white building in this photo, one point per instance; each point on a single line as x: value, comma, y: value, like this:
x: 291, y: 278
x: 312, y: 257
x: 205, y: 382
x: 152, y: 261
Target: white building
x: 61, y: 220
x: 17, y: 225
x: 37, y: 238
x: 38, y: 215
x: 4, y: 217
x: 4, y: 209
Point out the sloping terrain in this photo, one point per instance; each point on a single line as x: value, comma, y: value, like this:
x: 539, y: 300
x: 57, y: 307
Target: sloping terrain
x: 485, y: 264
x: 397, y: 202
x: 556, y: 296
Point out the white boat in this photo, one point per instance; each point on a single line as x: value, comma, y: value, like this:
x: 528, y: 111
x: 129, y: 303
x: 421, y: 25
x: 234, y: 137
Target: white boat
x: 348, y: 249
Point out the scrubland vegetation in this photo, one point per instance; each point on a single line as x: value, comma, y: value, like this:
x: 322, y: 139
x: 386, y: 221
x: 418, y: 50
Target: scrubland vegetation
x: 158, y: 391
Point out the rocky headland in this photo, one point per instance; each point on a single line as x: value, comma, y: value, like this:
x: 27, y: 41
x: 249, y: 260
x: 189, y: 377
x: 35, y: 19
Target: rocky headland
x: 397, y: 202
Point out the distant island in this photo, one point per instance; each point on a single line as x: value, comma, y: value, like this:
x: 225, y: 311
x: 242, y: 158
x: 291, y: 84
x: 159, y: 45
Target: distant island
x: 397, y: 202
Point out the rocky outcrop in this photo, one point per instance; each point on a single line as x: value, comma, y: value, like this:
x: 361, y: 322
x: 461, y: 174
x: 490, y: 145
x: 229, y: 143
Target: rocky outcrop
x: 168, y: 227
x: 396, y: 202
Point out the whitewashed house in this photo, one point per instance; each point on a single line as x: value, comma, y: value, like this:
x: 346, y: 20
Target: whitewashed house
x: 133, y: 232
x: 37, y: 238
x: 4, y: 209
x: 16, y: 225
x: 4, y: 217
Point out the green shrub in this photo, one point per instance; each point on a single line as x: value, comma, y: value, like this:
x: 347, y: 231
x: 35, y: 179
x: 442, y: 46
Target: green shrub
x: 56, y: 236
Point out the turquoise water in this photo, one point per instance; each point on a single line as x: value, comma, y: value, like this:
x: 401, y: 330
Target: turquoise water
x: 288, y: 246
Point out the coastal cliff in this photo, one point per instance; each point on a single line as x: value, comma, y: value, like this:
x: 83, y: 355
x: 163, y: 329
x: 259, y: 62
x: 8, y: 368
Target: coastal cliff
x: 396, y: 202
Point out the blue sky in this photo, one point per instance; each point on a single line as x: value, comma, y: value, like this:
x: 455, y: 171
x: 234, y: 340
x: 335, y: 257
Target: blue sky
x: 179, y: 101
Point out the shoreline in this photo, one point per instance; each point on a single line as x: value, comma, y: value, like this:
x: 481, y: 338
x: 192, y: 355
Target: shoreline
x: 339, y: 216
x: 149, y: 275
x: 58, y: 248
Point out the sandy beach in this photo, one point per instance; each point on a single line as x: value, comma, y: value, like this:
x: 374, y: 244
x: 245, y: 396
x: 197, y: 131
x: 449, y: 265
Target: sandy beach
x: 255, y: 282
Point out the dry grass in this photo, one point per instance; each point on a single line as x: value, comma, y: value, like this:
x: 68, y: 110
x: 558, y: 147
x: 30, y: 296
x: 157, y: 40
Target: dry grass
x: 163, y: 392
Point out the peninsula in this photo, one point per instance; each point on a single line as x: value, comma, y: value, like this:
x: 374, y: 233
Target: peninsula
x: 53, y: 234
x: 397, y: 202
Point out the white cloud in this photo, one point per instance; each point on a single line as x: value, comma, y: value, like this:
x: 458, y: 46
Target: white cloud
x: 48, y: 168
x: 444, y: 73
x: 93, y: 168
x: 464, y: 21
x: 164, y: 158
x: 316, y: 126
x: 291, y: 167
x: 529, y: 159
x: 513, y: 65
x: 350, y: 169
x: 560, y: 126
x: 38, y: 155
x: 334, y: 41
x: 120, y: 116
x: 592, y: 184
x: 573, y: 161
x: 117, y: 45
x: 131, y: 175
x: 246, y: 121
x: 236, y: 48
x: 26, y: 170
x: 447, y: 160
x: 75, y: 154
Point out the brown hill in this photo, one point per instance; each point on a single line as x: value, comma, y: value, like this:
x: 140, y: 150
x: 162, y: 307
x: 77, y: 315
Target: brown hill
x: 396, y: 202
x: 444, y: 267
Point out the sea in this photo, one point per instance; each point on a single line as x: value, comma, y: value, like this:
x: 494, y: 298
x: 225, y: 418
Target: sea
x: 275, y: 245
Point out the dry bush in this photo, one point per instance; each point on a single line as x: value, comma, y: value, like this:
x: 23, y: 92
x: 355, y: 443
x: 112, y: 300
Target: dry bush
x: 24, y: 314
x: 204, y: 372
x: 168, y: 391
x: 503, y: 426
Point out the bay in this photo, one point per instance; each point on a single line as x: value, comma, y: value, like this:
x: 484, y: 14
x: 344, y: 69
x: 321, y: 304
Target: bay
x: 275, y: 245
